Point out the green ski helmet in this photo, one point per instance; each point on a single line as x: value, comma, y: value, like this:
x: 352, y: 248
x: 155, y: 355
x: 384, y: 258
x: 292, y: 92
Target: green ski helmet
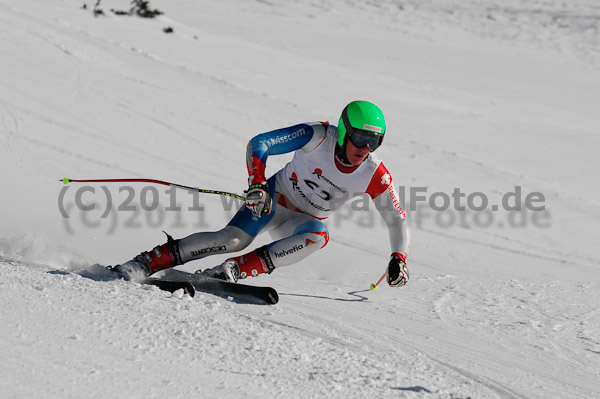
x: 363, y: 123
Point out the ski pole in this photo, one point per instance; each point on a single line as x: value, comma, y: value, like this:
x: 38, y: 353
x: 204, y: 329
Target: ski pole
x: 66, y: 180
x: 374, y: 286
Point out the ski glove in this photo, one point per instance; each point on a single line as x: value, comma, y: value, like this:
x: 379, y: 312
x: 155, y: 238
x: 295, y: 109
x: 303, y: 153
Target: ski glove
x: 258, y: 199
x: 397, y: 272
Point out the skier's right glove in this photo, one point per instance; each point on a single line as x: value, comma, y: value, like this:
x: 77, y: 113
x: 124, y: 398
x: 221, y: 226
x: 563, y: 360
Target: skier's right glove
x: 258, y: 199
x: 397, y: 272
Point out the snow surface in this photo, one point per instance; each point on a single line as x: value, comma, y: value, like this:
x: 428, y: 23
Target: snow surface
x: 478, y: 95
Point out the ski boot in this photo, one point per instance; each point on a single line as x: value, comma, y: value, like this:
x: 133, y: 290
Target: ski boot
x: 253, y: 263
x: 228, y: 271
x: 147, y: 263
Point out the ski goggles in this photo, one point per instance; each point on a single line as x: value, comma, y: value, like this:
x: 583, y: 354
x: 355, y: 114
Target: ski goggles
x: 362, y: 138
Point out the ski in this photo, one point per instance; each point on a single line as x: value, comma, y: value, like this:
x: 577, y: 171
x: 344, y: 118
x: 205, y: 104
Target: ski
x: 107, y: 273
x: 173, y: 280
x: 171, y: 286
x: 240, y: 292
x: 163, y: 284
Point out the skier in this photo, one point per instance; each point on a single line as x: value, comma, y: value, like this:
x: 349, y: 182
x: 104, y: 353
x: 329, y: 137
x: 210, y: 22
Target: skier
x: 330, y: 165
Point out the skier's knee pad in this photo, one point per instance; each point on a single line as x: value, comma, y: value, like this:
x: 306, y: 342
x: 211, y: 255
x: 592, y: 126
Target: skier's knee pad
x: 317, y: 230
x: 320, y: 238
x: 236, y: 239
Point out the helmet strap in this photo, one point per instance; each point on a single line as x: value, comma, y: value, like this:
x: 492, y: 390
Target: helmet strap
x: 340, y: 153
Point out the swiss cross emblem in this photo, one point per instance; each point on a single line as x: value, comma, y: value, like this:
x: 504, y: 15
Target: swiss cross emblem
x: 386, y: 179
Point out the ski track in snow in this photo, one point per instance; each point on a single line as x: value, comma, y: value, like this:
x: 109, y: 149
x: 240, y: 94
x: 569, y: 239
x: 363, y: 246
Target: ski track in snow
x: 145, y: 329
x: 488, y: 313
x: 99, y: 330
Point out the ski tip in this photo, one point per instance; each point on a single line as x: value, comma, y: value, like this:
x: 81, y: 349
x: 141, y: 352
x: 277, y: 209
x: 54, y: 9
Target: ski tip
x: 190, y: 290
x: 273, y: 296
x: 172, y: 286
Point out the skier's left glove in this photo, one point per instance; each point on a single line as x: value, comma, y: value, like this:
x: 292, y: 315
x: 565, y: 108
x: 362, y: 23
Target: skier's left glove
x: 258, y: 199
x: 397, y: 272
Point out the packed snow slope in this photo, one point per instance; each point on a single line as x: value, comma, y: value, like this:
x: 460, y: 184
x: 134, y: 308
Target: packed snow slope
x: 498, y: 98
